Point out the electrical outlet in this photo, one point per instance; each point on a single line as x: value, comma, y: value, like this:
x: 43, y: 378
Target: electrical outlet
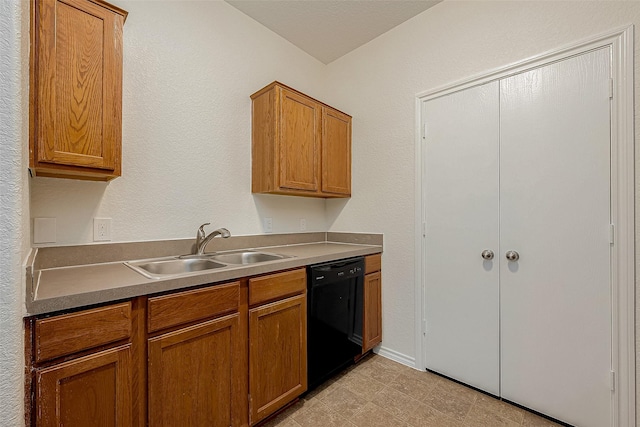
x: 303, y: 224
x: 101, y: 229
x: 268, y: 225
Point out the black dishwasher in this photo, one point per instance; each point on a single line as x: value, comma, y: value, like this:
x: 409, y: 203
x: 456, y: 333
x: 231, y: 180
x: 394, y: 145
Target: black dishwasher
x: 334, y: 317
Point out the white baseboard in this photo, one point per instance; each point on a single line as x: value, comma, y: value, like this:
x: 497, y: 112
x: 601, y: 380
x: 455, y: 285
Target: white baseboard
x: 396, y: 356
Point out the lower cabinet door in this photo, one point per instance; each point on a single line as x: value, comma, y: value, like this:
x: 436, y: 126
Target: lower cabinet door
x: 372, y: 323
x: 277, y: 355
x: 94, y: 390
x: 194, y: 374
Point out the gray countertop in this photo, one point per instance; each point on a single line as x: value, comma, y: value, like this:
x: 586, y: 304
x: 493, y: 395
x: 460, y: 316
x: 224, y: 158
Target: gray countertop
x: 73, y: 286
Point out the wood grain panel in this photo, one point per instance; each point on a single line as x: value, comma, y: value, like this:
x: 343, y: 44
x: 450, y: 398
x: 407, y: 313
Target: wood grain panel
x: 76, y: 97
x: 177, y: 309
x: 372, y: 263
x: 79, y: 70
x: 372, y: 323
x: 336, y: 152
x: 287, y: 145
x: 89, y: 391
x: 139, y: 361
x: 67, y: 334
x: 264, y: 161
x: 279, y: 285
x: 193, y: 375
x: 277, y: 355
x: 299, y: 141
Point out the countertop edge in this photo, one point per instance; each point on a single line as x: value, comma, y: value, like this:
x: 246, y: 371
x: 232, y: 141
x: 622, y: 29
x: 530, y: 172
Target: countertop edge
x: 154, y: 286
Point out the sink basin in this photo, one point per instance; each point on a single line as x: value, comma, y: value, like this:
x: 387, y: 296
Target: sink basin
x: 246, y: 257
x: 172, y: 267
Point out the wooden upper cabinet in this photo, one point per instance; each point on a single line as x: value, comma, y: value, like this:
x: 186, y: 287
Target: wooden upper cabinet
x: 76, y: 95
x: 300, y: 146
x: 336, y: 152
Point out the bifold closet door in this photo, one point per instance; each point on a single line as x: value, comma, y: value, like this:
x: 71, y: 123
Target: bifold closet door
x: 461, y: 207
x: 555, y: 213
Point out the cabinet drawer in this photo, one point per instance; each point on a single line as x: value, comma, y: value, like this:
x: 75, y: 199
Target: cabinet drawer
x: 274, y: 286
x: 69, y: 333
x: 372, y: 263
x: 184, y: 307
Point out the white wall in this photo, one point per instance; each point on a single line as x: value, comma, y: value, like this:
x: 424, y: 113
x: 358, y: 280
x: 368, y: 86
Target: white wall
x: 378, y: 84
x: 189, y: 68
x: 14, y: 207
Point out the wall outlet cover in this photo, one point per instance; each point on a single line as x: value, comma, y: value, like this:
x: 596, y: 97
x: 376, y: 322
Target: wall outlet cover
x: 268, y: 225
x: 101, y: 229
x: 44, y: 230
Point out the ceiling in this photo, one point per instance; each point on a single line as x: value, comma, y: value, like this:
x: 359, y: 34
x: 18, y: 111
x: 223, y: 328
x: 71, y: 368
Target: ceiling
x: 328, y: 29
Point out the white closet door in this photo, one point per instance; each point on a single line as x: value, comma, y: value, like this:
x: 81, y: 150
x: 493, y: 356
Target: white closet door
x: 555, y: 212
x: 461, y: 196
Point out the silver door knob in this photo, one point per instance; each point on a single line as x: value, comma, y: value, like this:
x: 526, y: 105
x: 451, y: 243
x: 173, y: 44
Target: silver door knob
x: 512, y: 255
x: 487, y: 254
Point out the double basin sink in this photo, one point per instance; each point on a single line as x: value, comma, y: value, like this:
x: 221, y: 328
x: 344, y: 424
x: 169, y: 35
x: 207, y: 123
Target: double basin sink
x: 176, y: 266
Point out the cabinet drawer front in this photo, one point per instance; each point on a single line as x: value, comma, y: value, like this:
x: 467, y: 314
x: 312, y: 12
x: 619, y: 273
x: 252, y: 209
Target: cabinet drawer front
x: 184, y: 307
x: 372, y: 263
x: 273, y: 286
x: 67, y: 334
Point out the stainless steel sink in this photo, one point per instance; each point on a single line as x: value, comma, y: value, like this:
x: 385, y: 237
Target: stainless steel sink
x: 172, y: 267
x: 246, y: 257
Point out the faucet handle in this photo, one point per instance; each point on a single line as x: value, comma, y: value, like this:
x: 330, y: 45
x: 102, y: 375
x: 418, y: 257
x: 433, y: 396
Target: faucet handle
x: 200, y: 234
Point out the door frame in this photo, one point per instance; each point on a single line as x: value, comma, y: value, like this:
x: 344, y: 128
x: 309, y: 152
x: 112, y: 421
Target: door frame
x: 620, y: 40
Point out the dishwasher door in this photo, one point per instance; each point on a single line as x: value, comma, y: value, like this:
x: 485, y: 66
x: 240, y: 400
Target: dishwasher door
x: 334, y: 324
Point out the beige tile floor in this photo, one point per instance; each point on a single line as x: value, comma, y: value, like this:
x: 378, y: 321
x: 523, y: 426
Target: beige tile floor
x: 381, y: 392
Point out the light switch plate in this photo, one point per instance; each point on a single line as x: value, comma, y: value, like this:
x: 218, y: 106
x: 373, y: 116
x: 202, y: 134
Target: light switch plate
x: 268, y: 225
x: 101, y: 229
x: 44, y: 230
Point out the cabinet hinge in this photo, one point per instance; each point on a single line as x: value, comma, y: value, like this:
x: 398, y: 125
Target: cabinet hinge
x: 612, y: 233
x: 424, y: 229
x: 424, y: 131
x: 424, y: 327
x: 611, y: 88
x: 613, y: 381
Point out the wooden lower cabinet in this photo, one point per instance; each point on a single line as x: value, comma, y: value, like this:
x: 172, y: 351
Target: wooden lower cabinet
x: 193, y: 375
x: 94, y: 390
x: 372, y: 322
x: 277, y: 355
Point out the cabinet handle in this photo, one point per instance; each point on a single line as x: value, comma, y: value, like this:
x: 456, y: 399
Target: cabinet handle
x: 487, y: 254
x: 512, y: 255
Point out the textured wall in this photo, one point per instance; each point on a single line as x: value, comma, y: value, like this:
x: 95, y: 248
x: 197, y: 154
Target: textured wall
x: 189, y: 68
x: 13, y: 207
x: 378, y: 83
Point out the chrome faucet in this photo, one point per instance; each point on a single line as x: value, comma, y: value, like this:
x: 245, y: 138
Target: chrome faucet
x: 201, y: 240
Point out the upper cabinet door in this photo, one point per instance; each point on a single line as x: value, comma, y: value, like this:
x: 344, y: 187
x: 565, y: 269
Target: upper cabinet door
x: 336, y: 152
x: 299, y: 141
x: 77, y: 98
